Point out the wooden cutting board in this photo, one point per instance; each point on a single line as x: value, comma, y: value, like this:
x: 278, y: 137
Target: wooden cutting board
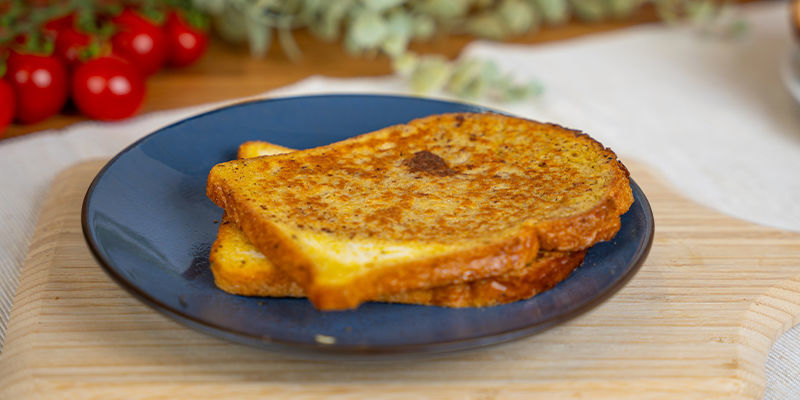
x: 696, y: 322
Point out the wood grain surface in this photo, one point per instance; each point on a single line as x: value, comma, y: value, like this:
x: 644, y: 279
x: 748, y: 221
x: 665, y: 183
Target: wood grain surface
x: 696, y: 322
x: 227, y: 71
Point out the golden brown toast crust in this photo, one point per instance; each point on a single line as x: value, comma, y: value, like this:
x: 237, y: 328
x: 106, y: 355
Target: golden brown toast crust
x: 237, y: 271
x: 542, y: 274
x: 517, y: 183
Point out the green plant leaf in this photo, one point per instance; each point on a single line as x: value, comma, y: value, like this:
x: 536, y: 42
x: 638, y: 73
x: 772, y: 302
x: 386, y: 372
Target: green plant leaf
x: 423, y: 27
x: 590, y: 10
x: 444, y: 9
x: 381, y: 5
x: 554, y: 12
x: 488, y: 25
x: 465, y: 73
x: 367, y: 31
x: 394, y: 45
x: 231, y: 25
x: 519, y: 16
x: 400, y: 23
x: 621, y: 9
x: 430, y: 75
x: 405, y: 64
x: 259, y: 38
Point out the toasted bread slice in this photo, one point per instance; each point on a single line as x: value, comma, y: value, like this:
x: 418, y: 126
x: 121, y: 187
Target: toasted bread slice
x: 441, y: 200
x: 239, y: 268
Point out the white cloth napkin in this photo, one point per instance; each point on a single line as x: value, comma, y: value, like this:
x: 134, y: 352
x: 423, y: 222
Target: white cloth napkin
x: 712, y: 116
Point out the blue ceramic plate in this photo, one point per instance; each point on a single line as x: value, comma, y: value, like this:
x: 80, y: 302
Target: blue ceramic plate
x: 148, y: 221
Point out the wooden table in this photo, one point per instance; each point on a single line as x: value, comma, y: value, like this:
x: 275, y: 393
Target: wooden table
x: 228, y: 72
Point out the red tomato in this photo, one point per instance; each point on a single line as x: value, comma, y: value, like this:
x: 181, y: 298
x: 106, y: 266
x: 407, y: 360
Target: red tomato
x: 7, y: 105
x: 54, y: 26
x: 40, y: 83
x: 69, y: 44
x: 186, y: 43
x: 139, y: 41
x: 108, y: 88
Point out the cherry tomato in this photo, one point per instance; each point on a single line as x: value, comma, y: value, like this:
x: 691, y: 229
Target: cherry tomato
x: 186, y: 43
x: 69, y: 44
x: 40, y: 83
x: 139, y: 41
x: 56, y: 25
x: 7, y: 105
x: 108, y: 88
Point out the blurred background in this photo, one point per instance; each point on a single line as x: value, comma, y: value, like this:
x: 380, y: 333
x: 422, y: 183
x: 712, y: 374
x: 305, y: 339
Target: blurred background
x: 173, y: 53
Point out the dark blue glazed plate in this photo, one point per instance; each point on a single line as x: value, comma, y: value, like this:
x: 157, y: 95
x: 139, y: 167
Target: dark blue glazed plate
x: 148, y: 222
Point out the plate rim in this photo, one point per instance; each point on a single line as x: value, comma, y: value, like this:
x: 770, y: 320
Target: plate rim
x: 437, y: 347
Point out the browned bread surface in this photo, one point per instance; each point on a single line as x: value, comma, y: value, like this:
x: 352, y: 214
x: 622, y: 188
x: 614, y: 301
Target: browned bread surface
x: 468, y: 196
x: 239, y: 268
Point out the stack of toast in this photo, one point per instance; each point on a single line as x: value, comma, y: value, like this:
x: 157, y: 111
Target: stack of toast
x: 457, y: 210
